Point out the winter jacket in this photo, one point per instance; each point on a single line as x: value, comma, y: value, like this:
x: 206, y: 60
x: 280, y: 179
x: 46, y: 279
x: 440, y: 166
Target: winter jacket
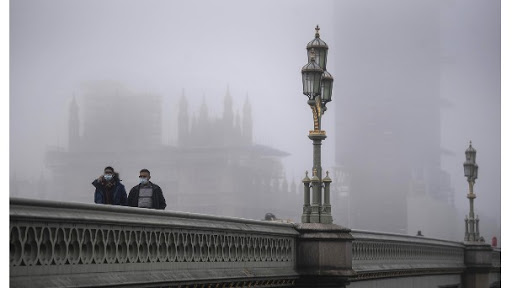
x: 158, y: 197
x: 118, y: 197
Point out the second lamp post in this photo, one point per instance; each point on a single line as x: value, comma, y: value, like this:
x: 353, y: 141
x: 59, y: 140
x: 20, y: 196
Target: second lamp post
x: 317, y: 86
x: 472, y: 231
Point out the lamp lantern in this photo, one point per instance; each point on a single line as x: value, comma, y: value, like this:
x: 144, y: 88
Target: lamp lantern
x: 312, y: 77
x: 327, y: 86
x: 320, y: 48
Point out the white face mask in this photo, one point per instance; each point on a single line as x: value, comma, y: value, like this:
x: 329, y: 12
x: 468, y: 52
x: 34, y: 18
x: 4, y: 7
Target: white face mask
x: 143, y: 180
x: 108, y: 177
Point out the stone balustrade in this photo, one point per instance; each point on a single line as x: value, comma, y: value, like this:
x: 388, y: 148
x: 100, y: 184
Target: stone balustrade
x: 496, y: 258
x: 382, y: 255
x: 70, y: 244
x: 56, y: 244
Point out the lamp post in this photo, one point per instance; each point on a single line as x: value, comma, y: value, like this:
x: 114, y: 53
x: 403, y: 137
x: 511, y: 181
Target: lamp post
x: 317, y: 86
x: 472, y: 233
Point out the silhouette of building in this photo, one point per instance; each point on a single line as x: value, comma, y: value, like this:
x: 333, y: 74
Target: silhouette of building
x: 214, y: 168
x: 388, y: 105
x: 236, y: 177
x: 117, y: 127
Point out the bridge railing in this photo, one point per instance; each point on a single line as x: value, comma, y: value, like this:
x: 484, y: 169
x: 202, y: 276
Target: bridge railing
x: 380, y: 255
x: 496, y: 258
x: 71, y: 244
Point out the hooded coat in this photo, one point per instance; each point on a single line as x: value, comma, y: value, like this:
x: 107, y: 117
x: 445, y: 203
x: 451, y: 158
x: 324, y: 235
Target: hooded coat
x: 118, y: 192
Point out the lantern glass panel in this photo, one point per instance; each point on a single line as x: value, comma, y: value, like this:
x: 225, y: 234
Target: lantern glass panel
x: 317, y: 83
x: 321, y: 57
x: 311, y: 82
x: 468, y: 169
x: 307, y: 84
x: 326, y: 87
x: 472, y: 157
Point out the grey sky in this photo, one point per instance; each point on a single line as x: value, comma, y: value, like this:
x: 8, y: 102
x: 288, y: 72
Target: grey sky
x: 255, y: 47
x: 162, y: 47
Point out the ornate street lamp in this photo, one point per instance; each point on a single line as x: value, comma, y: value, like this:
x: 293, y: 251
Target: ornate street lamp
x: 317, y: 86
x: 472, y: 231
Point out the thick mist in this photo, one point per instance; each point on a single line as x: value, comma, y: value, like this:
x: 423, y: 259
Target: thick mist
x: 156, y: 52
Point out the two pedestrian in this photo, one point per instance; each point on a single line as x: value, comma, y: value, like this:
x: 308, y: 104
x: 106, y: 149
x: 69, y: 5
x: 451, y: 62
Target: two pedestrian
x: 146, y: 194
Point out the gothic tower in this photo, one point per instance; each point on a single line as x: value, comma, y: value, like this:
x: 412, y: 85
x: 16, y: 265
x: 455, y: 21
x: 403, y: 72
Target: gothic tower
x: 247, y: 122
x: 237, y: 131
x: 227, y: 116
x: 204, y: 129
x: 183, y: 121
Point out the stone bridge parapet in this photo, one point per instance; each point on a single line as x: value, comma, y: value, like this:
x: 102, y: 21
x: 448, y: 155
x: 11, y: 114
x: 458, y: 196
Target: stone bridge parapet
x: 56, y: 244
x: 382, y: 255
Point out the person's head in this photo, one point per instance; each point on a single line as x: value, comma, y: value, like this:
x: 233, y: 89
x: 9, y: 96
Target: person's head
x: 109, y: 174
x: 144, y: 176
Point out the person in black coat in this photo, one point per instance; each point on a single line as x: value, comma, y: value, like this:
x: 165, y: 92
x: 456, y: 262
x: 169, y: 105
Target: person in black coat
x: 109, y: 189
x: 147, y: 194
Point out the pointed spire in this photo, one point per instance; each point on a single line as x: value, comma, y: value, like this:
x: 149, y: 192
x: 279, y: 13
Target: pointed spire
x: 247, y: 121
x: 183, y: 120
x: 228, y: 110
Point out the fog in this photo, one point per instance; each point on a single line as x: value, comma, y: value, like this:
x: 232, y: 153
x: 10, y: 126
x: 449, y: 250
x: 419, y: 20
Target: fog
x: 253, y: 51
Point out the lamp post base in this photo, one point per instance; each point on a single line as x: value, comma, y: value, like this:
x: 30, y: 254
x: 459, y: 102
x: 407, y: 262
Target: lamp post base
x: 324, y: 255
x: 478, y: 261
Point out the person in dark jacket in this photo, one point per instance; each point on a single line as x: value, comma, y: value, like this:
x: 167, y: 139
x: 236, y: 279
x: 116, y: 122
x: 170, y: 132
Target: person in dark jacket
x: 147, y: 194
x: 109, y: 189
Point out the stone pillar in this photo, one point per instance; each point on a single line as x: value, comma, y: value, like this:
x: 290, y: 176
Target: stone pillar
x: 314, y: 217
x: 324, y: 255
x: 478, y: 261
x: 325, y: 216
x: 306, y: 208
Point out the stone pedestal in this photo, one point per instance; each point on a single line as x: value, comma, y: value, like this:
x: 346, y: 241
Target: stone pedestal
x: 478, y: 261
x: 324, y: 255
